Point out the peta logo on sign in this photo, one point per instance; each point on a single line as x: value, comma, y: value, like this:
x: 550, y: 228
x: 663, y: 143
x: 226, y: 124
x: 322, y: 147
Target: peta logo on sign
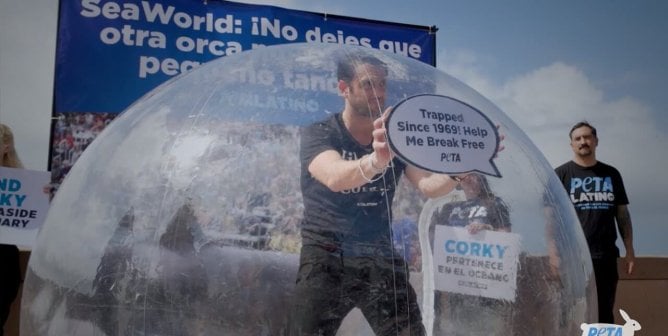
x: 604, y: 329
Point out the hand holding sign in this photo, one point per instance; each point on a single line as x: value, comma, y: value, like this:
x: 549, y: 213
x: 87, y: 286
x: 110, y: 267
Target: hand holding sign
x: 381, y: 148
x: 443, y: 135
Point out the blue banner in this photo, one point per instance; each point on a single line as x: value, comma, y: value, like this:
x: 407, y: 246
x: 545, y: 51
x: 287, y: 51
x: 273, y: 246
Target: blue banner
x: 110, y: 53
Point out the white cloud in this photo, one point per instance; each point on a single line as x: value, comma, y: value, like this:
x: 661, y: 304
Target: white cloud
x: 465, y: 66
x: 546, y: 102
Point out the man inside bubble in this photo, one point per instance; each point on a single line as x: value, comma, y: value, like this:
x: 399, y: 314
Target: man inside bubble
x: 348, y: 181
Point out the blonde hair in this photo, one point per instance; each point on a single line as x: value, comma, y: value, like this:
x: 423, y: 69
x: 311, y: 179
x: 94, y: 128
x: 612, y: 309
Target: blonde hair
x: 9, y: 157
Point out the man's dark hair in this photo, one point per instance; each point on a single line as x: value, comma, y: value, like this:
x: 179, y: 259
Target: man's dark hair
x: 582, y: 124
x: 345, y: 69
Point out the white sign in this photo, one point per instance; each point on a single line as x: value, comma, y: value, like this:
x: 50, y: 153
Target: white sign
x: 23, y: 205
x: 443, y: 135
x: 483, y: 264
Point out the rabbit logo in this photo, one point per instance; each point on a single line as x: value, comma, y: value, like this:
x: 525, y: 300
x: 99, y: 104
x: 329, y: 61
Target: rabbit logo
x: 605, y: 329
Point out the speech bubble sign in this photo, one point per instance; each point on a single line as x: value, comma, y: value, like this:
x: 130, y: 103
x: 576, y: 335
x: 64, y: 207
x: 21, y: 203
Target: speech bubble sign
x: 442, y: 135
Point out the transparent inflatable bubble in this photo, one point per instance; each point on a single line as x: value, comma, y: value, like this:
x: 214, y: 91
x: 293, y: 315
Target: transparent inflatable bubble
x: 183, y: 218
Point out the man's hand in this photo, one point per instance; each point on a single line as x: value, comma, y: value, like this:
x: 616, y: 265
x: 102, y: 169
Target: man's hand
x: 630, y: 260
x: 381, y: 147
x: 501, y: 138
x: 476, y: 227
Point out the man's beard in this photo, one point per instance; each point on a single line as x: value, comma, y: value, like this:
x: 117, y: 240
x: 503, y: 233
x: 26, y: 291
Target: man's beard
x: 370, y: 111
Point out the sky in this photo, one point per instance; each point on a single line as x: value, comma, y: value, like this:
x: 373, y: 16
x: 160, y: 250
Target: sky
x: 546, y: 64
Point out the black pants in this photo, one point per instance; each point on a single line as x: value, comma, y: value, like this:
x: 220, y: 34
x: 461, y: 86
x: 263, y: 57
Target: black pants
x: 330, y: 284
x: 10, y: 280
x: 605, y: 270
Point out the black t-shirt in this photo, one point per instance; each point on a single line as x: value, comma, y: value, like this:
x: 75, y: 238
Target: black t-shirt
x: 595, y: 192
x: 350, y: 218
x: 485, y: 211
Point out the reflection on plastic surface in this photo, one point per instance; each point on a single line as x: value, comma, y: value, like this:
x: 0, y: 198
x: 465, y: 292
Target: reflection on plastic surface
x: 183, y: 216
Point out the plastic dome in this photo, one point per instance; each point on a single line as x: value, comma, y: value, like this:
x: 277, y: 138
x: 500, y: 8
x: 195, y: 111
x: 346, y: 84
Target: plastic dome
x: 183, y: 216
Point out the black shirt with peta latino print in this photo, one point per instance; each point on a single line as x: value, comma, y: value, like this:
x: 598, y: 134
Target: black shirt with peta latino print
x: 359, y: 216
x: 595, y: 193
